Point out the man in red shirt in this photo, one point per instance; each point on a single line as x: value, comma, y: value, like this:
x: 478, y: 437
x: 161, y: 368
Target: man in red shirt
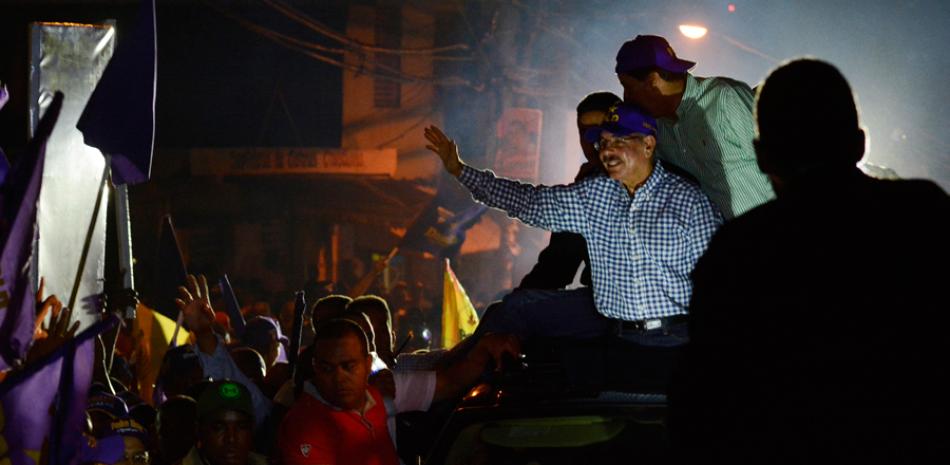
x: 341, y: 419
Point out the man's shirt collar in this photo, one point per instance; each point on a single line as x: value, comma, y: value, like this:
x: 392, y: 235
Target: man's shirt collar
x: 309, y: 388
x: 648, y: 188
x: 690, y: 95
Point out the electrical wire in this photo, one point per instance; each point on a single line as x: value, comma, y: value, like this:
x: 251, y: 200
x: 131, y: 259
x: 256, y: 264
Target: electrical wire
x: 311, y: 50
x: 300, y: 17
x: 422, y: 119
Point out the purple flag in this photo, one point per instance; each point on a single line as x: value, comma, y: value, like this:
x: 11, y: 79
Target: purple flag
x: 439, y: 231
x: 17, y: 230
x: 4, y: 167
x: 119, y: 118
x: 4, y: 164
x: 42, y: 407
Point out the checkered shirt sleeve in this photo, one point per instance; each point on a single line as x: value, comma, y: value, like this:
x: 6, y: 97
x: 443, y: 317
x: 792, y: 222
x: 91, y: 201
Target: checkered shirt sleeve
x: 555, y: 208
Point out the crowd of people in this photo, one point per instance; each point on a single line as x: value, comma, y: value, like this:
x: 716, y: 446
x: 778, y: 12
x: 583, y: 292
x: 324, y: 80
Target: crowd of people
x: 226, y: 398
x: 727, y: 236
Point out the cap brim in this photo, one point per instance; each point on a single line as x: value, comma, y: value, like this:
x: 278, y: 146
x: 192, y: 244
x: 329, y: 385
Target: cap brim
x: 680, y: 66
x: 592, y: 135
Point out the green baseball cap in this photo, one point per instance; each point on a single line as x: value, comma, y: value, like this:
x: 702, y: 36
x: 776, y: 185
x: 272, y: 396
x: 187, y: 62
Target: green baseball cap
x: 224, y: 395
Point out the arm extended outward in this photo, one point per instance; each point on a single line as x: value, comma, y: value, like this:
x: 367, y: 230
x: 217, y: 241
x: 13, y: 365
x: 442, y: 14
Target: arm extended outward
x: 556, y: 208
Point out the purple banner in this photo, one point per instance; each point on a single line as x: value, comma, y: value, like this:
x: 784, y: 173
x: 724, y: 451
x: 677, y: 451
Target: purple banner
x: 119, y: 118
x: 42, y: 407
x: 17, y: 230
x: 4, y: 167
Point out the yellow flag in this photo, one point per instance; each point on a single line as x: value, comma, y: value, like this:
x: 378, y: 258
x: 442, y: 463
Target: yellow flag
x: 153, y: 334
x: 458, y: 315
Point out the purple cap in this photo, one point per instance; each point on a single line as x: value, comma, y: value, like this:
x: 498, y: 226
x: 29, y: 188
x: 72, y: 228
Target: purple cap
x: 108, y: 450
x: 109, y: 404
x: 644, y: 52
x: 129, y: 427
x: 623, y: 119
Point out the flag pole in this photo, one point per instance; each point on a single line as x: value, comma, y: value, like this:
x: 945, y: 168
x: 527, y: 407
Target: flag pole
x: 232, y: 306
x: 300, y: 306
x: 123, y: 223
x: 88, y: 241
x: 363, y: 285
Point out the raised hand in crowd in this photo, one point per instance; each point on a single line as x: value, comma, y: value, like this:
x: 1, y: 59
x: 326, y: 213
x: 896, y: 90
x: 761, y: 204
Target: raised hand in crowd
x: 47, y: 338
x: 195, y: 306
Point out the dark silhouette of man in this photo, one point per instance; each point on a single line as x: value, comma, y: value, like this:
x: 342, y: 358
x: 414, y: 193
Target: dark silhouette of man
x: 816, y: 323
x: 176, y: 428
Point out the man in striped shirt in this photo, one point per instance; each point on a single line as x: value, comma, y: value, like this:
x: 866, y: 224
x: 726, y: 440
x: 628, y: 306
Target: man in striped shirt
x: 645, y: 229
x: 705, y: 125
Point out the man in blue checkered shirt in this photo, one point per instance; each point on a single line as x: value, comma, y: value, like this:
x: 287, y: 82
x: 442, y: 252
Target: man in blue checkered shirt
x: 645, y: 229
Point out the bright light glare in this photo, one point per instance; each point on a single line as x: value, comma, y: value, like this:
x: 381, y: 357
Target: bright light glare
x: 104, y: 41
x: 692, y: 31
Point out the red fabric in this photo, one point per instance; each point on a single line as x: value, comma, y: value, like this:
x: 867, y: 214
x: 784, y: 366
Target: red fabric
x: 222, y: 319
x: 314, y: 433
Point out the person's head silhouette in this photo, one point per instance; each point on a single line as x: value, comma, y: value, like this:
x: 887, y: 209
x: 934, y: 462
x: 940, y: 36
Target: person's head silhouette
x: 806, y: 123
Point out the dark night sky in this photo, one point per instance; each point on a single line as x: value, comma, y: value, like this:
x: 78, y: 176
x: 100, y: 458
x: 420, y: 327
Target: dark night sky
x: 218, y: 84
x: 217, y: 80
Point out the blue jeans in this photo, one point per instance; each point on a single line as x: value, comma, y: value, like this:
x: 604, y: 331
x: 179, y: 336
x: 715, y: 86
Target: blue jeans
x: 642, y: 360
x: 548, y: 313
x: 565, y: 313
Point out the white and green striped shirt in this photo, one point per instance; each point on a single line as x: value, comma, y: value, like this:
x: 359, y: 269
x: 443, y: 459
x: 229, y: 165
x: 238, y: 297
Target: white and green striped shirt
x: 712, y: 141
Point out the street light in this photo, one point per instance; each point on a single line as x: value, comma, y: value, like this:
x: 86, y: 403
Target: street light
x: 693, y: 31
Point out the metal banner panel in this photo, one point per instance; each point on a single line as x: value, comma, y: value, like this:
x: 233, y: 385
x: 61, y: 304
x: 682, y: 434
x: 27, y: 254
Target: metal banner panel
x: 73, y: 202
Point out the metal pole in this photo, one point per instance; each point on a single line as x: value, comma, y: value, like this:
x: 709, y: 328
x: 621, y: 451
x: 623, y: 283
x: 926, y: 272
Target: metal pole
x: 123, y: 227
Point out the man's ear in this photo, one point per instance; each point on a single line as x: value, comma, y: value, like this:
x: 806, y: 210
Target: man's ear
x: 649, y: 142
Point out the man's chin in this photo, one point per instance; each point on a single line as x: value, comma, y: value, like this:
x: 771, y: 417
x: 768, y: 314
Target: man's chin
x: 349, y: 401
x: 233, y: 458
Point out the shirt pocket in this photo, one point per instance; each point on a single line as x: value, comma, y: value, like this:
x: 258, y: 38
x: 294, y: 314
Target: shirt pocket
x: 667, y: 243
